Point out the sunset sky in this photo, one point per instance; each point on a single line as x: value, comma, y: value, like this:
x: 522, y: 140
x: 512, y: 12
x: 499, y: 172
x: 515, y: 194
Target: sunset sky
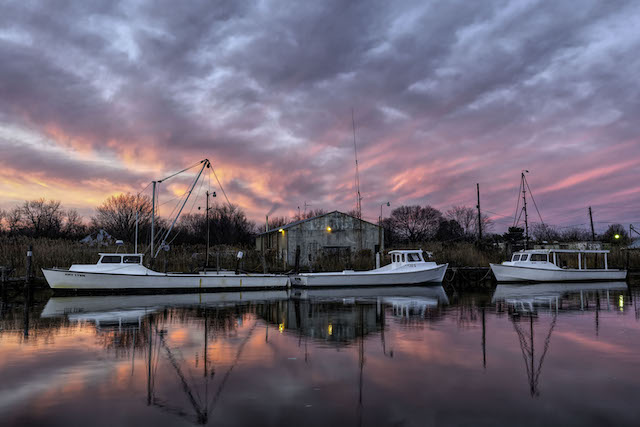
x: 98, y: 98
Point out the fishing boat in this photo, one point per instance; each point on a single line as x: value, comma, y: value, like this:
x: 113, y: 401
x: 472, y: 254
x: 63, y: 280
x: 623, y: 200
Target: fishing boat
x: 544, y: 265
x: 124, y: 272
x: 408, y: 267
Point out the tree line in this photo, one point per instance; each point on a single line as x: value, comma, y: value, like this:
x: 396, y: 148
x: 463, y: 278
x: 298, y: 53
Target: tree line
x: 228, y: 224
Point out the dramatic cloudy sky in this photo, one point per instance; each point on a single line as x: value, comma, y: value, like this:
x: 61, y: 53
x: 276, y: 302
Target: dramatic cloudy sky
x: 98, y: 98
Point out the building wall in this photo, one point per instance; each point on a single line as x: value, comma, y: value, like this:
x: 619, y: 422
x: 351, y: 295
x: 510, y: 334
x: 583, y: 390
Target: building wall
x: 313, y: 237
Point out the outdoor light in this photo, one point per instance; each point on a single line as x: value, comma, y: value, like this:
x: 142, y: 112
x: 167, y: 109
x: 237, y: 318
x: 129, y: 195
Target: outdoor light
x: 281, y: 327
x: 330, y: 329
x: 617, y: 236
x: 281, y: 230
x: 328, y: 229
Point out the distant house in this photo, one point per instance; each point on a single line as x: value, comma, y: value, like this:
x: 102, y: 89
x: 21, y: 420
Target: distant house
x: 331, y: 233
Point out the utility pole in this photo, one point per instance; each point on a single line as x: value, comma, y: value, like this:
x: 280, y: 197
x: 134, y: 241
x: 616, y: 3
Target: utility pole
x: 479, y: 215
x: 593, y: 233
x: 526, y: 221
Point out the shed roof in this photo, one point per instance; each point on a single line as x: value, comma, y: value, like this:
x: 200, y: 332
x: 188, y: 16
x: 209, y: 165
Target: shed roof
x: 293, y: 224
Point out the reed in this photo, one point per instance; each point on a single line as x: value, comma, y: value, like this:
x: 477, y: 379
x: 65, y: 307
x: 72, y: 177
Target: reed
x: 185, y: 258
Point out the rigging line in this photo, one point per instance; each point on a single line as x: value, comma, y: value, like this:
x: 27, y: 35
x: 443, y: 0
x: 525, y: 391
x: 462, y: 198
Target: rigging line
x: 496, y: 213
x: 142, y: 191
x: 517, y: 204
x: 195, y: 200
x: 534, y: 200
x: 220, y: 184
x: 183, y: 170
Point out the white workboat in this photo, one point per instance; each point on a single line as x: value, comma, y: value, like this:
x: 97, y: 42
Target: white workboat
x: 542, y: 265
x: 408, y: 267
x: 125, y: 272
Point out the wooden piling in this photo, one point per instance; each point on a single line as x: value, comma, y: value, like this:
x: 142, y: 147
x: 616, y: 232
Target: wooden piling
x: 28, y: 275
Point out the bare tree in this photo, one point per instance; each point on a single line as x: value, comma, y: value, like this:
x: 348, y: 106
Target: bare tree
x: 14, y: 220
x: 278, y: 221
x: 544, y: 232
x: 575, y: 234
x: 117, y: 215
x: 415, y: 223
x: 468, y: 219
x: 73, y: 224
x: 309, y: 214
x: 42, y: 218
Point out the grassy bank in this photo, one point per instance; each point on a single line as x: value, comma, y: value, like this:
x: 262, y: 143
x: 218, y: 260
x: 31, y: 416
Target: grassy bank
x: 63, y: 253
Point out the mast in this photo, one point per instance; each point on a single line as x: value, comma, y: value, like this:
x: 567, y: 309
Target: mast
x: 479, y: 215
x: 153, y: 214
x: 355, y: 149
x: 524, y: 207
x: 136, y: 244
x: 207, y: 215
x: 358, y: 197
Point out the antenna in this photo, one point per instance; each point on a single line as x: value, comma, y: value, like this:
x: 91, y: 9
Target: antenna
x: 357, y: 181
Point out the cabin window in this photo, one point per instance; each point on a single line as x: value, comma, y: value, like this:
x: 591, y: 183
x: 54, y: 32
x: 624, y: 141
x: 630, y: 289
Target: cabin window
x: 516, y: 258
x: 131, y: 259
x: 524, y: 257
x: 413, y: 257
x: 538, y: 257
x: 111, y: 259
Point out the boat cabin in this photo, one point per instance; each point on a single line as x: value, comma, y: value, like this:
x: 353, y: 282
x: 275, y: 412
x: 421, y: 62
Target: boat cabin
x: 120, y: 259
x: 407, y: 256
x: 535, y: 257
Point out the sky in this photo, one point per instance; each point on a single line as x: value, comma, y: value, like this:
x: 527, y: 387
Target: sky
x: 101, y: 97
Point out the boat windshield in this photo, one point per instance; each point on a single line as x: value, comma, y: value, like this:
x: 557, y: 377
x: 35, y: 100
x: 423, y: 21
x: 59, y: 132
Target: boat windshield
x: 524, y: 257
x: 413, y: 258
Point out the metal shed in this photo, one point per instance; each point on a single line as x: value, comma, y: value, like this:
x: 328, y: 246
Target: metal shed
x: 334, y: 232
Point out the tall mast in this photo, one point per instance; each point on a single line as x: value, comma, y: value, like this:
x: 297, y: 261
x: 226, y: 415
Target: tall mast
x: 358, y: 198
x: 208, y: 233
x: 355, y: 149
x: 153, y: 215
x: 524, y: 207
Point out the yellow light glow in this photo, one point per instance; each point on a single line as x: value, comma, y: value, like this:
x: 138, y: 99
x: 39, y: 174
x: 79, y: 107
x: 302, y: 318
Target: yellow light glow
x: 281, y: 230
x: 617, y: 236
x: 281, y: 327
x: 621, y: 302
x: 328, y: 229
x: 330, y: 329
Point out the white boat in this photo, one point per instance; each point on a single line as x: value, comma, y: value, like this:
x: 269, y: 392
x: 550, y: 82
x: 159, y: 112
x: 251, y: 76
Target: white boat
x: 125, y: 272
x: 542, y: 265
x: 408, y: 267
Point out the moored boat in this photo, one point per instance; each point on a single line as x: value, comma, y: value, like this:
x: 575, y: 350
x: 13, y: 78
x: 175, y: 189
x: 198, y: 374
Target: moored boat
x: 408, y: 267
x: 542, y: 265
x: 125, y: 272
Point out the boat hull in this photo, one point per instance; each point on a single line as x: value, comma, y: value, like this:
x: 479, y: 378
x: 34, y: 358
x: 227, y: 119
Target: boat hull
x: 431, y: 275
x: 59, y: 279
x: 511, y: 273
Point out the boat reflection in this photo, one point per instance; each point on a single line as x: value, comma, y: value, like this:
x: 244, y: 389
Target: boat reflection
x: 524, y: 303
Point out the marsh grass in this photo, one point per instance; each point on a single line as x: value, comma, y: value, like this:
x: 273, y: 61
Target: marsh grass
x: 189, y: 258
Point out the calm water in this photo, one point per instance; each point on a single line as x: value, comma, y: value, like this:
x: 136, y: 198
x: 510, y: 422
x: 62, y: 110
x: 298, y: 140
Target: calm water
x: 516, y: 355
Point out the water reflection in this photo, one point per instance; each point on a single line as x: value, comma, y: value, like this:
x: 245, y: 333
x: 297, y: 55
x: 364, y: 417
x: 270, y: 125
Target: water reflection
x: 343, y: 356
